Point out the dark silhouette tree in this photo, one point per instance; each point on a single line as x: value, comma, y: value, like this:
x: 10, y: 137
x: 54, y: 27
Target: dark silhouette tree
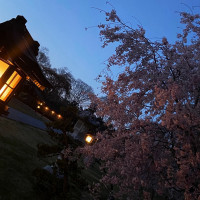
x: 80, y: 92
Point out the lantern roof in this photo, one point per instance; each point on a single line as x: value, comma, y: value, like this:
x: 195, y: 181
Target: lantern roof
x: 18, y: 46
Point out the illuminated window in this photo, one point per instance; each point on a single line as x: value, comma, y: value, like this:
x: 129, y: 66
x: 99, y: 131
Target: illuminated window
x: 10, y: 84
x: 3, y: 67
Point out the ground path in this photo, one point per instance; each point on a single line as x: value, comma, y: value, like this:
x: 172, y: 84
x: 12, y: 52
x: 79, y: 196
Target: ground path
x: 26, y: 119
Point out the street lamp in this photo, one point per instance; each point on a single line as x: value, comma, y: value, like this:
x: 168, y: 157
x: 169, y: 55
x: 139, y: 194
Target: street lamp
x: 89, y: 139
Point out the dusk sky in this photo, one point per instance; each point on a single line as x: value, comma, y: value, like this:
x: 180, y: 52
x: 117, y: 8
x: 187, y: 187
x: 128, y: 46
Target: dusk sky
x: 59, y: 25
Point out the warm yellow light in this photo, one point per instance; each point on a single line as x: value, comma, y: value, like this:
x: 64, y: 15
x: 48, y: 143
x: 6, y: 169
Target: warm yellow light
x: 40, y: 103
x: 38, y: 107
x: 46, y: 108
x: 13, y: 80
x: 52, y: 112
x: 59, y: 116
x: 3, y: 67
x: 5, y: 92
x: 36, y: 83
x: 10, y: 84
x: 9, y: 62
x: 89, y: 139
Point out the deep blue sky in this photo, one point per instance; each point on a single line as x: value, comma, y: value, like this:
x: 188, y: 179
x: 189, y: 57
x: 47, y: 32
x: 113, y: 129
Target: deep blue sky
x: 60, y: 25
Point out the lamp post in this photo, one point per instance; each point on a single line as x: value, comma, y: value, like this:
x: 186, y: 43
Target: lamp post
x: 89, y: 139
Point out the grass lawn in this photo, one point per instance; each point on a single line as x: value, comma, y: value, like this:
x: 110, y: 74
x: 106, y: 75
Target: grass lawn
x: 18, y: 158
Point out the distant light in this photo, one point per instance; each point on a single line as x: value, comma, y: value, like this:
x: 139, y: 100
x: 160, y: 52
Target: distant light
x: 38, y: 107
x: 59, y: 116
x: 52, y: 112
x: 46, y: 108
x: 40, y: 103
x: 89, y: 139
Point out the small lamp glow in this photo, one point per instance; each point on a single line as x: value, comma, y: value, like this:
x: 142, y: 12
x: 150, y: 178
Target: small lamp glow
x: 46, y: 108
x: 38, y: 107
x: 52, y: 112
x: 59, y: 116
x: 89, y: 139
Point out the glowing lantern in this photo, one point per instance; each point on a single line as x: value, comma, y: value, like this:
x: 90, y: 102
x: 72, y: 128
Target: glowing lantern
x: 9, y: 80
x: 46, y: 108
x: 59, y: 116
x: 38, y: 107
x: 52, y: 112
x: 89, y: 138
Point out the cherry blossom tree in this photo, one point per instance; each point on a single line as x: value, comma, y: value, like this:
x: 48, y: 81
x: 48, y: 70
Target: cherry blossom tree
x: 153, y: 148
